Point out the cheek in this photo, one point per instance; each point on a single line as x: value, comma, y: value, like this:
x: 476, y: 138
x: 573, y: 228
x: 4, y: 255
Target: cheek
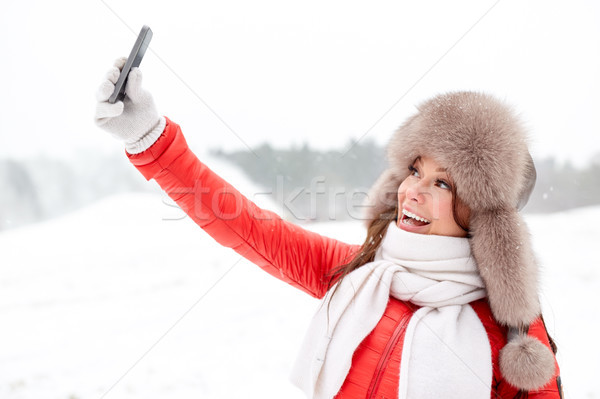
x: 446, y: 210
x: 402, y: 192
x: 442, y: 209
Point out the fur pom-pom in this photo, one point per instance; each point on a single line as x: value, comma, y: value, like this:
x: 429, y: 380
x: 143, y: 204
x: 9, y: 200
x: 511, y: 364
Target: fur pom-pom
x: 526, y: 363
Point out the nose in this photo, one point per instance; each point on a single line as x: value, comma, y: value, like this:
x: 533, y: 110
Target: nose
x: 416, y: 193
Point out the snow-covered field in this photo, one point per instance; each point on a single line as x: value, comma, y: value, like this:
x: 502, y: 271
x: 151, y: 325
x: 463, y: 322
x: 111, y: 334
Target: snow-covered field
x: 127, y: 299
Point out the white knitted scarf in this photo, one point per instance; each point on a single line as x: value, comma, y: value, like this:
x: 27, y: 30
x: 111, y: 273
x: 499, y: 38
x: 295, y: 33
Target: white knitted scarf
x: 446, y: 352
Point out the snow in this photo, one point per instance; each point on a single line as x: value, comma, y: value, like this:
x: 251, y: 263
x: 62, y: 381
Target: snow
x: 123, y: 299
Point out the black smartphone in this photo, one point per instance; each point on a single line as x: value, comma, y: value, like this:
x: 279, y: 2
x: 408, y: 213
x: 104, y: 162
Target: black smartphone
x: 133, y: 61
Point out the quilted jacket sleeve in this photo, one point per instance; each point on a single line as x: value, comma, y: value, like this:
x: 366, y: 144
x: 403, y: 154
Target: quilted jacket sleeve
x: 297, y: 256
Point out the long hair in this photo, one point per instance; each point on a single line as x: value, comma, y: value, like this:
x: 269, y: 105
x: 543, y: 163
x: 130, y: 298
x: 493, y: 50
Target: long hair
x: 375, y: 233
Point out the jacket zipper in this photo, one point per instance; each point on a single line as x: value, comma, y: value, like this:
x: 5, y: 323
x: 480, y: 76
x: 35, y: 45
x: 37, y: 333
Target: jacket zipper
x: 391, y: 344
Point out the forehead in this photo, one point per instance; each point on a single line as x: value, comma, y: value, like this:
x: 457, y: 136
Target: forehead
x: 429, y: 163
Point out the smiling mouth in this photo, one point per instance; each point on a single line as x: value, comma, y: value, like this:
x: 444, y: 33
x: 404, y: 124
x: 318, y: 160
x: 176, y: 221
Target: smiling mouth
x: 411, y: 219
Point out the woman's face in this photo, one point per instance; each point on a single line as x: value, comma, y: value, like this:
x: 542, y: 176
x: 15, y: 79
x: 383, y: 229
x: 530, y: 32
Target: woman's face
x: 425, y: 201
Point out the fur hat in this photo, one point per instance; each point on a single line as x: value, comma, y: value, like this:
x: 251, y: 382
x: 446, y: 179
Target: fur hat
x: 483, y: 146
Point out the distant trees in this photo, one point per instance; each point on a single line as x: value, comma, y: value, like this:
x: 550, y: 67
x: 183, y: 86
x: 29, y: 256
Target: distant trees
x: 309, y: 184
x: 560, y: 187
x: 19, y: 202
x: 313, y: 185
x: 327, y: 185
x: 42, y: 188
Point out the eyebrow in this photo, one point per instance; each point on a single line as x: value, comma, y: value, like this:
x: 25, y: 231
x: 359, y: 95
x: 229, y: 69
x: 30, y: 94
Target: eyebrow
x: 418, y: 159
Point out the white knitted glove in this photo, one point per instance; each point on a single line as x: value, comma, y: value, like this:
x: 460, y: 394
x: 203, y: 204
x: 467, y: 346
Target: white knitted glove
x: 133, y: 120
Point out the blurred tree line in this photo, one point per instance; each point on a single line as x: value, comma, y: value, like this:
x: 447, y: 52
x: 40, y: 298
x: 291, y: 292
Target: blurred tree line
x: 561, y: 186
x: 313, y: 185
x: 314, y: 179
x: 38, y: 189
x: 307, y: 184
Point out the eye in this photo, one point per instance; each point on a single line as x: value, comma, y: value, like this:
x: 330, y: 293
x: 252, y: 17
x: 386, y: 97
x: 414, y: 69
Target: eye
x: 413, y: 171
x: 442, y: 184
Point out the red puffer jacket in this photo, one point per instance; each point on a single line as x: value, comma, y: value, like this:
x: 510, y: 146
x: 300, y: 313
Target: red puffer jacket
x: 303, y: 259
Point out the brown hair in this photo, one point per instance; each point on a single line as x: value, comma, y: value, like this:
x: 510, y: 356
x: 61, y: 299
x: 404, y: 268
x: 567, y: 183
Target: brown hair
x: 375, y: 233
x: 460, y: 211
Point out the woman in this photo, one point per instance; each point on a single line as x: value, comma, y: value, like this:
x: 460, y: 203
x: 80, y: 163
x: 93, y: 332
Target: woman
x: 440, y: 300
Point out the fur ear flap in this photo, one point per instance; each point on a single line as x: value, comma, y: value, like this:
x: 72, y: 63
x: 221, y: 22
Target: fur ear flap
x: 502, y: 249
x: 501, y: 246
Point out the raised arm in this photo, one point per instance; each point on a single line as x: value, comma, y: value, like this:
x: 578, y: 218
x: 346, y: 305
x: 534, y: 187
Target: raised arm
x: 285, y: 250
x: 156, y: 146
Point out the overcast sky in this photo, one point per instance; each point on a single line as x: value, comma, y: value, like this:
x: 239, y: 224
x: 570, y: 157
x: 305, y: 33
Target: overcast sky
x: 236, y: 74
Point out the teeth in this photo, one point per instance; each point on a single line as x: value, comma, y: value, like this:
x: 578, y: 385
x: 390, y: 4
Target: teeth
x: 412, y: 215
